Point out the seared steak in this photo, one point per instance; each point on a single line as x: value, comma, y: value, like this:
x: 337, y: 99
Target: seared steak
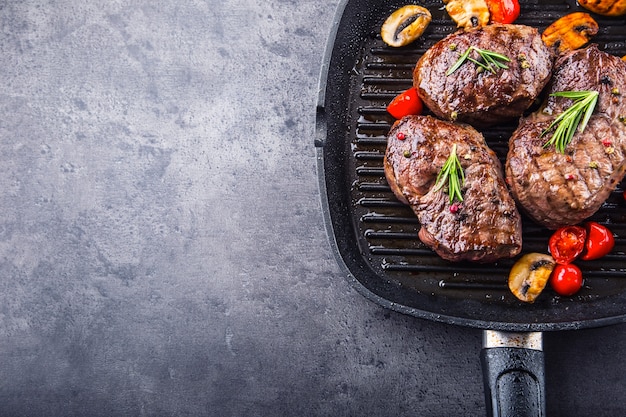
x: 558, y: 189
x: 486, y: 225
x: 477, y: 96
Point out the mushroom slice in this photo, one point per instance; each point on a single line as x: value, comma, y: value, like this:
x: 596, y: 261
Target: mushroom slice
x: 468, y: 13
x: 570, y: 32
x: 605, y: 7
x: 405, y: 25
x: 529, y: 276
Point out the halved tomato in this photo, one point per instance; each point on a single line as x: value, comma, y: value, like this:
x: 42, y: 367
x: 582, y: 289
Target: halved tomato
x: 503, y: 11
x: 567, y: 243
x: 566, y: 280
x: 599, y: 242
x: 405, y: 103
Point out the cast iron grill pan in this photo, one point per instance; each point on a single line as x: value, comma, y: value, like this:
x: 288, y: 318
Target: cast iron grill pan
x: 375, y: 236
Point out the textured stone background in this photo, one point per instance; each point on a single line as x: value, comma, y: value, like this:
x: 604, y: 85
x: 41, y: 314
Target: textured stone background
x: 162, y: 250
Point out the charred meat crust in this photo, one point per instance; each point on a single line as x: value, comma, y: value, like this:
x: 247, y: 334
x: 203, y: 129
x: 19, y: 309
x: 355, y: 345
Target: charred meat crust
x: 482, y: 98
x: 487, y: 225
x: 557, y: 189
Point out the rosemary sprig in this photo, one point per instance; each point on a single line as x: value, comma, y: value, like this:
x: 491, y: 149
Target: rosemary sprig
x: 575, y: 116
x: 452, y: 173
x: 491, y: 61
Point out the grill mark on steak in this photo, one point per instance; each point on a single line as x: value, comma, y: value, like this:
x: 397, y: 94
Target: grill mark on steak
x: 487, y: 225
x: 563, y: 189
x: 483, y: 98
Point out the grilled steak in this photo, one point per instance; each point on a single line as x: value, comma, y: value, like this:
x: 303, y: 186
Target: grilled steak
x: 477, y: 96
x: 486, y: 225
x: 558, y: 189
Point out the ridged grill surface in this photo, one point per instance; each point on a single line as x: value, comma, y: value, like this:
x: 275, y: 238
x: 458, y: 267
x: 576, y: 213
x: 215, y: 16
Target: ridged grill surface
x: 387, y: 229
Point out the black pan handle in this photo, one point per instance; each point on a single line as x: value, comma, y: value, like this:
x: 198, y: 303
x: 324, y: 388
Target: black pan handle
x: 514, y: 374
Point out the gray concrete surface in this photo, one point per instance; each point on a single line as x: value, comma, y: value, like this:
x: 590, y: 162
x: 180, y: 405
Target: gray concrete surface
x: 162, y: 250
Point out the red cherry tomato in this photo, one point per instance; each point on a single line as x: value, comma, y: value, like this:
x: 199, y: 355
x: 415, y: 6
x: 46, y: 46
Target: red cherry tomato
x: 566, y: 279
x: 599, y: 242
x: 503, y: 11
x: 405, y: 103
x: 567, y: 243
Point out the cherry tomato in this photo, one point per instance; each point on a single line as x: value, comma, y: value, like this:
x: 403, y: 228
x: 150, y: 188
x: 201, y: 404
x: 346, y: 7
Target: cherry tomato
x: 566, y: 279
x: 405, y: 103
x: 567, y: 243
x: 599, y: 242
x: 503, y: 11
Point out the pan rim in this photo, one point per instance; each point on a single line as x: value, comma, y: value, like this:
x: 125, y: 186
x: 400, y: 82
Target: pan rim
x: 321, y: 135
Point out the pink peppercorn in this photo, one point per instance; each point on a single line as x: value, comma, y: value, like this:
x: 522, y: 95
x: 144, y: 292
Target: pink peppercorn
x: 401, y: 136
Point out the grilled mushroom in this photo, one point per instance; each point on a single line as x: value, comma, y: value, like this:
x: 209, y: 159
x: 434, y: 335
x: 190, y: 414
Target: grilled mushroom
x: 468, y: 13
x: 570, y: 32
x: 605, y: 7
x: 529, y: 276
x: 405, y: 25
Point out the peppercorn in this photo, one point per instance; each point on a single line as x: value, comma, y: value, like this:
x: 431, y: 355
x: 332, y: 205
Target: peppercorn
x: 455, y: 207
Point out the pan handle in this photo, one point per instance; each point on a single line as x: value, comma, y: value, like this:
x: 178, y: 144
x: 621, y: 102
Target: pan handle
x: 514, y: 374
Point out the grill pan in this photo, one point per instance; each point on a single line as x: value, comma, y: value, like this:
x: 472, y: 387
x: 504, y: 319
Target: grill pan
x: 374, y: 236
